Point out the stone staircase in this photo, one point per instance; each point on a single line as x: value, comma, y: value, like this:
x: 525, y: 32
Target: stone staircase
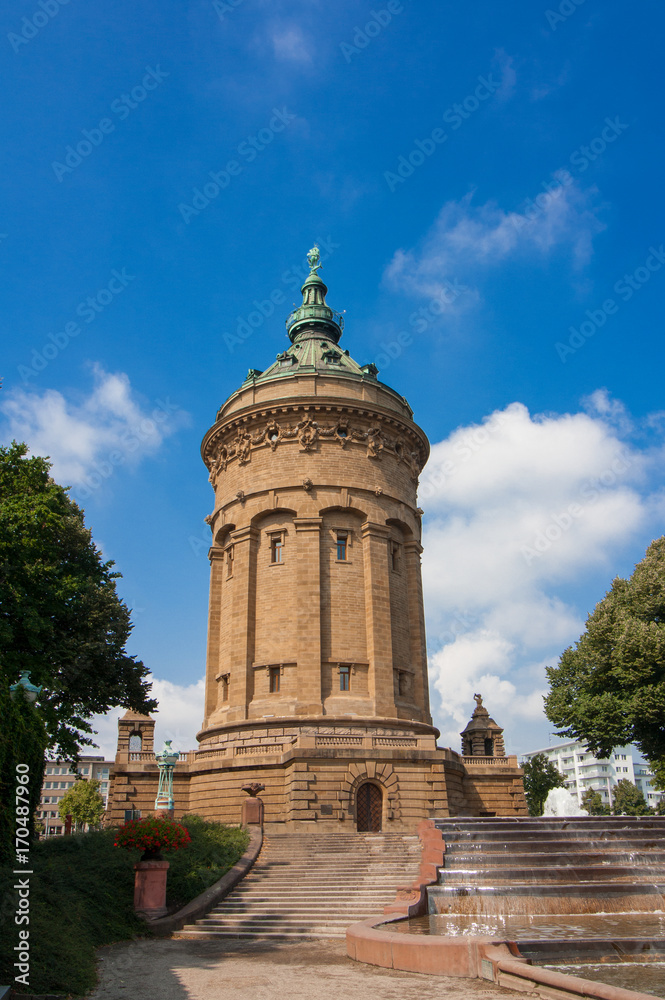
x: 577, y: 865
x: 313, y: 885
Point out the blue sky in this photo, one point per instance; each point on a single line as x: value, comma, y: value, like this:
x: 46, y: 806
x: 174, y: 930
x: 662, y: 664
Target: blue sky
x: 485, y: 184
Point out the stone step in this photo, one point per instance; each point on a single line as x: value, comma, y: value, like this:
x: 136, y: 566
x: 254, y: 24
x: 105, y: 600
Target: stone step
x: 341, y: 910
x: 543, y: 845
x: 341, y: 919
x: 522, y: 876
x: 542, y: 822
x: 298, y: 864
x: 369, y: 888
x: 353, y: 856
x: 597, y: 890
x: 298, y: 915
x: 259, y: 931
x: 313, y: 886
x: 500, y: 862
x: 315, y: 879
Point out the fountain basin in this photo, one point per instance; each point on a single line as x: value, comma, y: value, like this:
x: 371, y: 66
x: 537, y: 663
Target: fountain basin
x: 383, y: 943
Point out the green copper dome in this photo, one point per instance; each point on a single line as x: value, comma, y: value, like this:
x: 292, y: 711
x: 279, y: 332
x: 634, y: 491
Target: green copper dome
x: 314, y: 330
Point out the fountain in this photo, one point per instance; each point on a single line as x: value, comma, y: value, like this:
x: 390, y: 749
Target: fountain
x: 537, y: 903
x: 561, y: 802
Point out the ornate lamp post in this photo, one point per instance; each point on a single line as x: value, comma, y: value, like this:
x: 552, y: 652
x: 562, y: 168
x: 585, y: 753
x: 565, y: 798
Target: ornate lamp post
x: 31, y: 691
x: 166, y: 761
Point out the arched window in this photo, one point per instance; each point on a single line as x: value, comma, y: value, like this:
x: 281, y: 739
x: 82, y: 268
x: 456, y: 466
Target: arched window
x: 135, y: 741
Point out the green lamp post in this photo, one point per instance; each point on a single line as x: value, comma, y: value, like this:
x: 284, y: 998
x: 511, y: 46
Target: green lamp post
x: 30, y: 690
x: 166, y: 761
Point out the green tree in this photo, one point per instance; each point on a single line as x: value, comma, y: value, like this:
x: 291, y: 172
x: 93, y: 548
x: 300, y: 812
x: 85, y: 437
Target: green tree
x: 609, y: 689
x: 22, y: 744
x: 83, y: 802
x: 60, y: 614
x: 540, y: 777
x: 628, y: 800
x: 592, y: 801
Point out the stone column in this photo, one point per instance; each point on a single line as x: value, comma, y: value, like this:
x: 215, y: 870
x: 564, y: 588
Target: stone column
x: 377, y: 608
x: 242, y: 626
x: 216, y: 557
x: 412, y: 550
x: 307, y: 601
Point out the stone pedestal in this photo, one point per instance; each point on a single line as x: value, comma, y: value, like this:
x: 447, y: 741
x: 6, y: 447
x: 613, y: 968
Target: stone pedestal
x: 164, y: 813
x: 150, y: 888
x: 251, y: 811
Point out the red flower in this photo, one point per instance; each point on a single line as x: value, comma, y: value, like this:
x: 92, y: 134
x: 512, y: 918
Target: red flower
x: 152, y: 833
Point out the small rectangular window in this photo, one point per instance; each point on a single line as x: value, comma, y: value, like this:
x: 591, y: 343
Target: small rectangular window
x: 225, y: 687
x: 401, y: 683
x: 342, y: 541
x: 229, y: 561
x: 344, y: 678
x: 394, y: 555
x: 276, y: 549
x: 274, y: 680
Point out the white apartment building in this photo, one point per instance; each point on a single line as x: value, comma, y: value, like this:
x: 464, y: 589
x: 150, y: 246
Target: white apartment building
x: 582, y: 770
x: 58, y: 778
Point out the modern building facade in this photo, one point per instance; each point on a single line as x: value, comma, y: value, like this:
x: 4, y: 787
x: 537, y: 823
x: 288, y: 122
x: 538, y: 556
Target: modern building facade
x: 59, y: 778
x: 582, y: 770
x: 316, y: 678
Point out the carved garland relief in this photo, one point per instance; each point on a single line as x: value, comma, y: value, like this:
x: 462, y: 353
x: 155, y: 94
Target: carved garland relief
x: 308, y: 431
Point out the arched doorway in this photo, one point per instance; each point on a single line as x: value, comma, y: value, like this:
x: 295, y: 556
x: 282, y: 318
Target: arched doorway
x: 369, y: 807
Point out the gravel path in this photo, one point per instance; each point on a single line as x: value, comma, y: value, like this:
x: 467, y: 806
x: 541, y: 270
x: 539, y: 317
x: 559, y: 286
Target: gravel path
x: 262, y: 970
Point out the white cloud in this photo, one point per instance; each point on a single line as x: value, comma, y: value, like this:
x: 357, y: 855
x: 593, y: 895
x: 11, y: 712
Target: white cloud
x: 519, y: 510
x: 108, y: 428
x: 467, y: 238
x: 504, y: 62
x: 290, y: 44
x: 179, y: 717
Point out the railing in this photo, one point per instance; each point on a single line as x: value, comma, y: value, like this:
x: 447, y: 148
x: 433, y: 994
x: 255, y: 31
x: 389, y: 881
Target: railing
x: 314, y: 312
x: 147, y: 755
x: 483, y: 760
x: 505, y: 761
x: 206, y: 754
x: 339, y: 741
x: 260, y: 749
x: 395, y: 741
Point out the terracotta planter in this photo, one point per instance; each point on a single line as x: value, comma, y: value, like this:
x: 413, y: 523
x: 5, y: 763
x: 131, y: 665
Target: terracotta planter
x: 150, y: 888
